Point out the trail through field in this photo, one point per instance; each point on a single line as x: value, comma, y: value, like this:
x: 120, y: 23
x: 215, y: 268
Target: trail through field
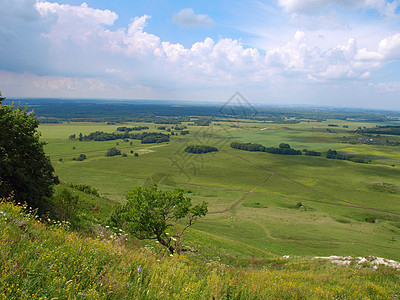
x: 329, y: 240
x: 348, y: 203
x: 253, y: 190
x: 242, y: 198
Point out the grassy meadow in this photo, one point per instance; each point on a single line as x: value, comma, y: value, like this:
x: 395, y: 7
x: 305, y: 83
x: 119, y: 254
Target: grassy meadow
x: 45, y: 260
x: 260, y: 204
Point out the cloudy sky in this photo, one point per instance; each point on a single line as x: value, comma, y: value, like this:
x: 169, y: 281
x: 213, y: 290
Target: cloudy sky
x: 324, y: 52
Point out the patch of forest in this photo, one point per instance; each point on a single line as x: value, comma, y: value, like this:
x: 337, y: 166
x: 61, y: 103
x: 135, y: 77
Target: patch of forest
x: 145, y: 137
x: 198, y: 149
x: 392, y: 130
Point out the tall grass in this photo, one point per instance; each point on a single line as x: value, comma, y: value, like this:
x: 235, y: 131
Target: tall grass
x: 43, y: 261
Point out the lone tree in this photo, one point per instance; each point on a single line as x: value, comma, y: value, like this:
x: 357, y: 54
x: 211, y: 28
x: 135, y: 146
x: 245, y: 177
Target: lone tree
x: 149, y: 214
x: 26, y: 174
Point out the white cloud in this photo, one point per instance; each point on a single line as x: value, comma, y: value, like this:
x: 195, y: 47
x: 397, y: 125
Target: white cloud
x: 385, y: 7
x: 78, y: 23
x: 138, y: 41
x: 87, y: 55
x: 188, y: 19
x: 388, y: 50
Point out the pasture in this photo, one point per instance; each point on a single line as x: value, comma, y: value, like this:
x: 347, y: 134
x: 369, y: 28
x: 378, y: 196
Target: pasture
x: 260, y: 204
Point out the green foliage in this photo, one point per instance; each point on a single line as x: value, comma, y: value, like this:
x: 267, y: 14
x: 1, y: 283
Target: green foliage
x: 81, y: 157
x: 370, y: 219
x: 113, y: 152
x: 333, y: 154
x: 145, y: 137
x: 283, y: 148
x: 135, y: 128
x: 64, y: 204
x: 198, y: 149
x: 85, y: 188
x: 25, y: 171
x: 149, y: 213
x: 311, y: 152
x: 393, y: 130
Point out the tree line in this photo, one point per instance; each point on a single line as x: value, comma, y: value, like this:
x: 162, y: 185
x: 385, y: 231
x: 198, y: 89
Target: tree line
x: 282, y: 149
x: 333, y: 154
x: 198, y: 149
x: 393, y: 130
x: 145, y: 137
x: 137, y: 128
x: 287, y: 150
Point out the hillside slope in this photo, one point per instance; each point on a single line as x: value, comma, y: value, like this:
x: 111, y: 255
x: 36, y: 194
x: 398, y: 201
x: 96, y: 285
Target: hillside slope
x: 43, y: 261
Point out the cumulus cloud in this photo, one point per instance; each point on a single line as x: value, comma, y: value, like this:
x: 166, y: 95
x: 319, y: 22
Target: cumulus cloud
x: 385, y: 7
x: 188, y: 19
x: 84, y: 52
x: 388, y: 50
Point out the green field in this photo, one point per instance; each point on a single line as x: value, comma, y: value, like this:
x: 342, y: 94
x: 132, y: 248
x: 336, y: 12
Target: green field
x: 254, y: 196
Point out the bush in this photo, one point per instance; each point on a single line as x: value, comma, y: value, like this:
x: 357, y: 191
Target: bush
x: 113, y: 151
x: 81, y: 157
x: 370, y: 219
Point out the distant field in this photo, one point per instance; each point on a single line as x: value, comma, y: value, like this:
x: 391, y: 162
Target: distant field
x: 279, y: 204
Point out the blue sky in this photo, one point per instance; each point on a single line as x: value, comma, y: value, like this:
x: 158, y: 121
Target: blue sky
x: 320, y: 52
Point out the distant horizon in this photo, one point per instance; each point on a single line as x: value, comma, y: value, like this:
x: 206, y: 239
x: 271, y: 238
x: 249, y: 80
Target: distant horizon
x: 201, y: 102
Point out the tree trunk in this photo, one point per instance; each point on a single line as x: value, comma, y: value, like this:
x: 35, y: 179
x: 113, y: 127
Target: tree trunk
x: 166, y: 244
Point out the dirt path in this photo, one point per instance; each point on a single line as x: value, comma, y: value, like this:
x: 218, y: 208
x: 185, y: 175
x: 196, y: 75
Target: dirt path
x: 242, y: 198
x: 252, y: 191
x: 348, y: 203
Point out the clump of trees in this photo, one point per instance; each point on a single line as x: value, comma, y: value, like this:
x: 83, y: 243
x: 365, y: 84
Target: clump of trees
x: 145, y: 137
x: 128, y: 129
x: 282, y: 149
x: 388, y: 129
x: 198, y: 149
x: 184, y: 132
x: 333, y: 154
x: 113, y: 152
x: 311, y: 152
x: 154, y: 137
x: 26, y: 173
x: 81, y: 157
x: 179, y: 127
x: 150, y: 213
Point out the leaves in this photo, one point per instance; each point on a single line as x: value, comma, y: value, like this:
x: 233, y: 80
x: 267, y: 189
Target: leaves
x: 149, y: 212
x: 25, y: 171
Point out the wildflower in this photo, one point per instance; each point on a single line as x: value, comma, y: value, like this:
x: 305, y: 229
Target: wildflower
x: 139, y: 270
x: 16, y: 265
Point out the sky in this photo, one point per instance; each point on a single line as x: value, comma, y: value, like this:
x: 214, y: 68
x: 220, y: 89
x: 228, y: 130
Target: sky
x: 343, y: 53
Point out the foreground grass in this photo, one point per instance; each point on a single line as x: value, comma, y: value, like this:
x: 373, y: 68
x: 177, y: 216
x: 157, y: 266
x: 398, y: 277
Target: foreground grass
x: 42, y: 261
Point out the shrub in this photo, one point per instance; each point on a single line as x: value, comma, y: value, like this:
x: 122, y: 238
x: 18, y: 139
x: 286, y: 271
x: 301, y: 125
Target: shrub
x: 113, y: 151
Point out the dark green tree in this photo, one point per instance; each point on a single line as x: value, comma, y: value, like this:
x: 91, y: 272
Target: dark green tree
x: 26, y: 174
x: 150, y: 213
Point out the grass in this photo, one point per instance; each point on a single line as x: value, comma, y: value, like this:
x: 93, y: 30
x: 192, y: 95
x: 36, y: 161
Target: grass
x: 254, y: 193
x: 43, y: 261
